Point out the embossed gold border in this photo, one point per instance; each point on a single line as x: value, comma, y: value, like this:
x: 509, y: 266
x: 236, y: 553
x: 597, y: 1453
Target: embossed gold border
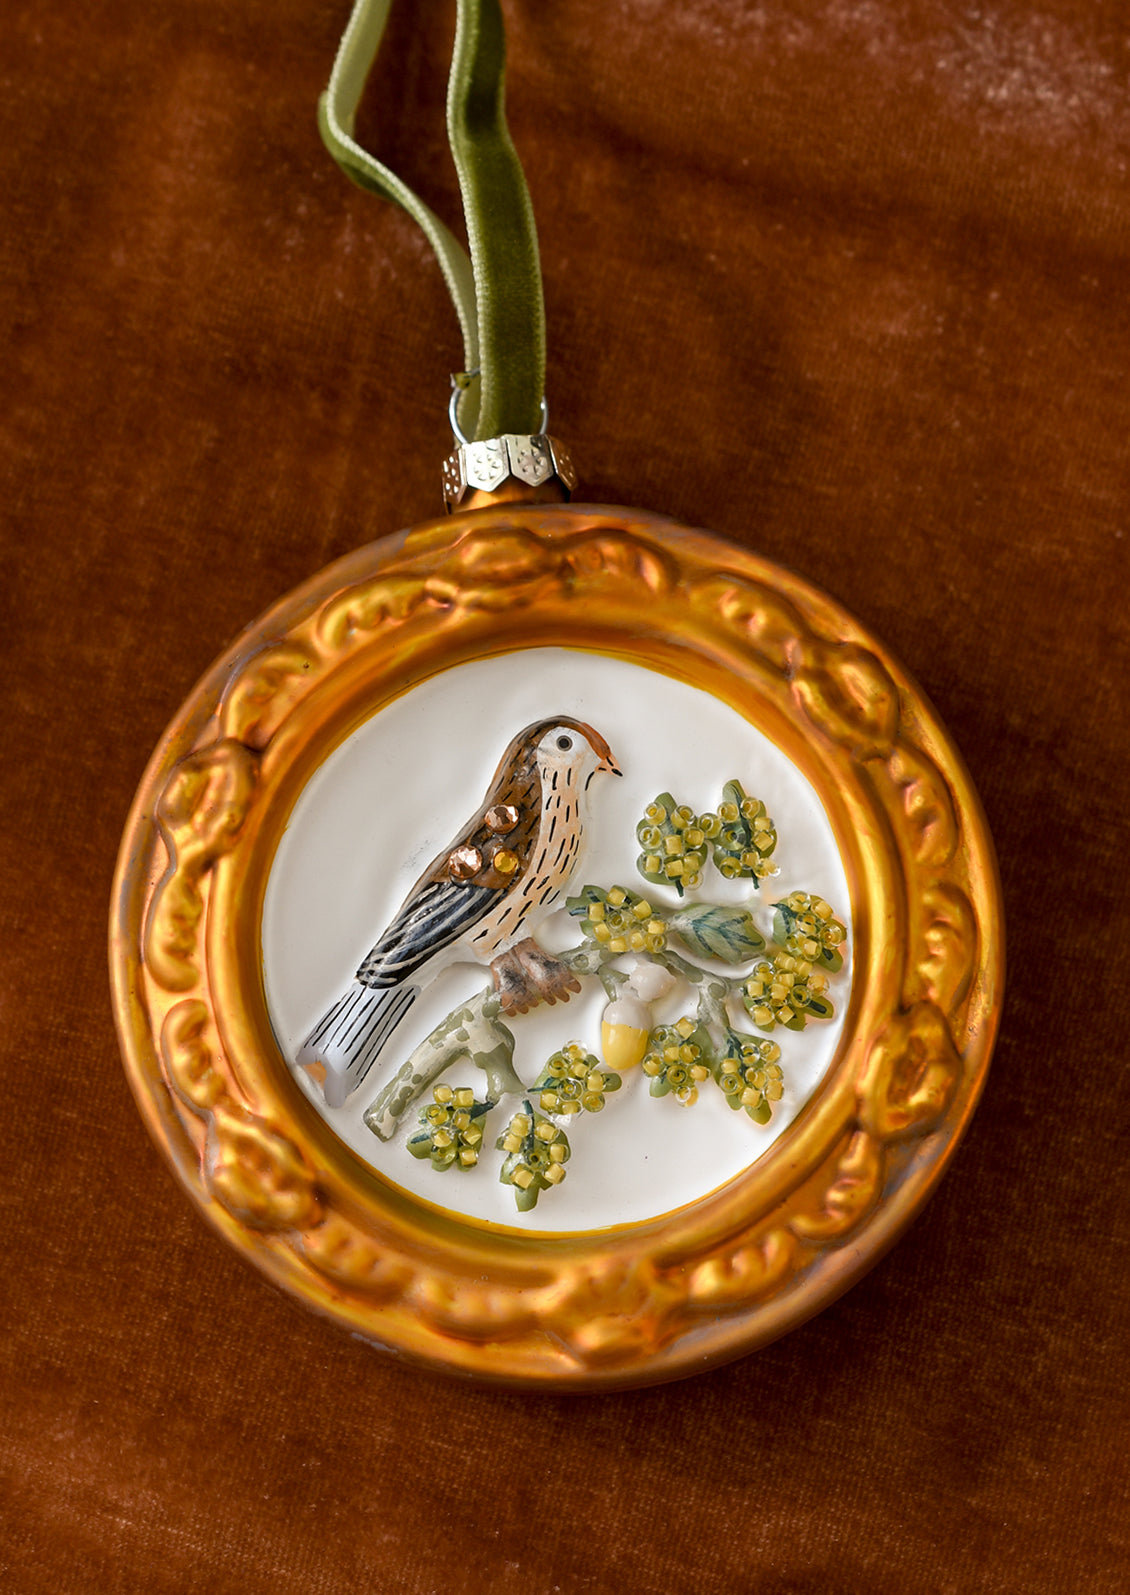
x: 650, y: 1301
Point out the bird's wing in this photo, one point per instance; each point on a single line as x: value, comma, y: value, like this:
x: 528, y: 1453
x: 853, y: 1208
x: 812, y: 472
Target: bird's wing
x: 434, y: 916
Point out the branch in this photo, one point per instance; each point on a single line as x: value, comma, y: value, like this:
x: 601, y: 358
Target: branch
x: 473, y: 1031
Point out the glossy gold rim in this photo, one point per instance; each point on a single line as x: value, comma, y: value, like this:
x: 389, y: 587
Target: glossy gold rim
x: 649, y: 1301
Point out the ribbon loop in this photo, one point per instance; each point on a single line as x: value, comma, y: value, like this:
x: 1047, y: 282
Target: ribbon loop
x: 497, y: 290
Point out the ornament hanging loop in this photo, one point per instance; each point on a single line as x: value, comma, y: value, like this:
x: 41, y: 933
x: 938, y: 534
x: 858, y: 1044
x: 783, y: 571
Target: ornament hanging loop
x: 459, y: 386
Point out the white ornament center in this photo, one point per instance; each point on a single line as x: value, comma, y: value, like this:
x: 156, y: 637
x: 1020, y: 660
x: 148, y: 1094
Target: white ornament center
x: 397, y: 791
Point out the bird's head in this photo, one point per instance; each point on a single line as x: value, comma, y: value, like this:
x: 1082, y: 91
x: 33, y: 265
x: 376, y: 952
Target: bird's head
x: 571, y: 746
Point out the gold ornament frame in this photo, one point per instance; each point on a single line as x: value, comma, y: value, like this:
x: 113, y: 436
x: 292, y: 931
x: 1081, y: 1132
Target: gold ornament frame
x: 602, y: 1309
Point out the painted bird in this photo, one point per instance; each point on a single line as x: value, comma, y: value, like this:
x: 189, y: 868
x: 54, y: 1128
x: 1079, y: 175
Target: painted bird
x: 508, y: 866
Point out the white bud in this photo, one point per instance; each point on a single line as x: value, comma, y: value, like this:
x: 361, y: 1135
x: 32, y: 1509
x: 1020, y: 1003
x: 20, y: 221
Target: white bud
x: 650, y: 981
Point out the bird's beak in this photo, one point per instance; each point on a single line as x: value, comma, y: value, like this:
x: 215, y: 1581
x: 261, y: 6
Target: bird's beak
x: 610, y: 765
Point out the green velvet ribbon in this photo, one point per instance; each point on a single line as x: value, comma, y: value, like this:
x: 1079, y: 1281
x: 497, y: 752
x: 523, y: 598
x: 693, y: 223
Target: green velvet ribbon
x: 497, y: 288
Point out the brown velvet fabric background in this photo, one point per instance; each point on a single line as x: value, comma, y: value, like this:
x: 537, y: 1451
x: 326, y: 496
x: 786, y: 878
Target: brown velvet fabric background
x: 843, y: 279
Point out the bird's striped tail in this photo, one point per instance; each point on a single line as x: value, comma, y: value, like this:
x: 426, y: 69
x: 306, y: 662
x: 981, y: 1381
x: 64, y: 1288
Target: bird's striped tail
x: 350, y: 1036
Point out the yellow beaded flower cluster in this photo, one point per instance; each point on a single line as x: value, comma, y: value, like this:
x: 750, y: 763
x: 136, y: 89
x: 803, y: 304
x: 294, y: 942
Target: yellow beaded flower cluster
x: 621, y: 921
x: 807, y: 928
x: 673, y: 839
x: 537, y: 1151
x: 746, y: 836
x: 785, y: 991
x: 750, y: 1077
x: 675, y: 1062
x: 572, y: 1081
x: 452, y: 1135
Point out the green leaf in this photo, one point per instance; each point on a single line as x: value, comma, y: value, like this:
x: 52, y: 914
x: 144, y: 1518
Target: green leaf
x: 713, y: 931
x: 420, y: 1145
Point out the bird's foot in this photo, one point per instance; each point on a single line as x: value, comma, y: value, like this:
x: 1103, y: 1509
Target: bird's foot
x: 524, y: 975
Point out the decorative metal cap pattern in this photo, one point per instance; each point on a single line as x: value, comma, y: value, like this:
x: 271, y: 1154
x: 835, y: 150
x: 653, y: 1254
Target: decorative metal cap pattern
x: 488, y: 466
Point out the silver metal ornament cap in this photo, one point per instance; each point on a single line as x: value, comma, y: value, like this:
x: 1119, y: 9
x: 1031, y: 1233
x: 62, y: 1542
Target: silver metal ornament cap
x: 494, y: 464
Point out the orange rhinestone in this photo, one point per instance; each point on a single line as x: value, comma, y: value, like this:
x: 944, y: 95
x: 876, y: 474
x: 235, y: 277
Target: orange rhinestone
x: 502, y: 818
x: 464, y: 862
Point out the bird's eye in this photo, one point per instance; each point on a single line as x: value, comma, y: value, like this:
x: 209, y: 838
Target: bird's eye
x: 564, y: 743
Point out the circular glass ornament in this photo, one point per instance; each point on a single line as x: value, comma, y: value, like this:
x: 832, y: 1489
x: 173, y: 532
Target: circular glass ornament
x: 324, y: 759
